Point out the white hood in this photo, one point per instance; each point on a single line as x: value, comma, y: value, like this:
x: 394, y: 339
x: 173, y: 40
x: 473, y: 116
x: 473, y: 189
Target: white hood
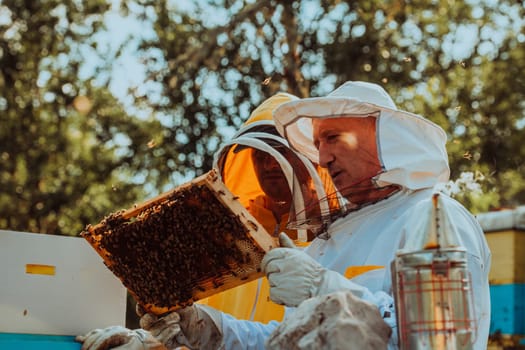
x: 411, y: 148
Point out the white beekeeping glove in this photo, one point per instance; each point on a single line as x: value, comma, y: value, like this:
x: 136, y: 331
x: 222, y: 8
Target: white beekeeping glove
x: 119, y: 338
x: 196, y: 327
x: 294, y: 276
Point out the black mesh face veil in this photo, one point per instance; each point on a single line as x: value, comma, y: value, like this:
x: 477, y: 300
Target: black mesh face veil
x: 316, y: 203
x: 317, y: 216
x: 317, y: 213
x: 310, y: 210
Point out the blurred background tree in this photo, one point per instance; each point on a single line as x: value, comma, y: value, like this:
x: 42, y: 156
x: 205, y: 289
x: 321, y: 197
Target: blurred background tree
x: 69, y: 151
x: 78, y: 141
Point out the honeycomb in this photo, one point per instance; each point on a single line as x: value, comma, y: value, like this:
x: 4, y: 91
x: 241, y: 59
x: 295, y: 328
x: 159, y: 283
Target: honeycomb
x: 182, y: 246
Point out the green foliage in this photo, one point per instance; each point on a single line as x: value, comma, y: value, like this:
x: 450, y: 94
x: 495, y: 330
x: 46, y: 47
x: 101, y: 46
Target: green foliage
x: 459, y: 64
x: 62, y: 164
x: 71, y: 152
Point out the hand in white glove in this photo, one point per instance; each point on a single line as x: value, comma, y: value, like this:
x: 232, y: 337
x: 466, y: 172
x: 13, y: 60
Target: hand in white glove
x: 118, y: 337
x: 294, y: 276
x: 196, y: 327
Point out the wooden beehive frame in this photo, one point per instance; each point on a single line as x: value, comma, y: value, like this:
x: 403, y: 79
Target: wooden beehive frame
x: 183, y: 245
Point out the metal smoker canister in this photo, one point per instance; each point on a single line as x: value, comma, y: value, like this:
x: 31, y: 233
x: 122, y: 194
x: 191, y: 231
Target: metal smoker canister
x: 433, y: 290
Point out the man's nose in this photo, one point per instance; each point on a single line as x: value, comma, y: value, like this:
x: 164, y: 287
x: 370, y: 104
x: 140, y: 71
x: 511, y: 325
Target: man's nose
x: 326, y: 157
x: 270, y: 163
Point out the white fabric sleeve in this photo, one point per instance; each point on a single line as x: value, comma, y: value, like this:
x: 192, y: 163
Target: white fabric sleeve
x: 248, y: 335
x: 481, y: 299
x: 333, y: 282
x: 478, y: 263
x: 245, y: 335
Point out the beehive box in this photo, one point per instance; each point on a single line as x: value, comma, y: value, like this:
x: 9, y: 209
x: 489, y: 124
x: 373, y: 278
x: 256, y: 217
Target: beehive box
x: 508, y: 256
x: 48, y: 286
x: 182, y: 246
x: 505, y: 234
x: 508, y: 309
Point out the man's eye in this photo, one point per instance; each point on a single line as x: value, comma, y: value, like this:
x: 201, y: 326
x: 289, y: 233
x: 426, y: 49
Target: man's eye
x: 331, y: 137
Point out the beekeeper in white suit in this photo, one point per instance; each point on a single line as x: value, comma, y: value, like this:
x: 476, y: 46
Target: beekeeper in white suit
x: 386, y: 163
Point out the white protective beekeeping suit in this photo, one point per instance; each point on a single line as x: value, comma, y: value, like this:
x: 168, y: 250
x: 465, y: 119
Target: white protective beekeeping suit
x: 412, y: 155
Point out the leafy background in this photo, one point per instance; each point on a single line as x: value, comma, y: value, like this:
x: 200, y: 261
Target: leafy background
x: 84, y: 132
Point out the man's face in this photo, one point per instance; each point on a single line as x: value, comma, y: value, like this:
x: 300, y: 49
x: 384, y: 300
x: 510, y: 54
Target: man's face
x: 347, y: 148
x: 271, y: 177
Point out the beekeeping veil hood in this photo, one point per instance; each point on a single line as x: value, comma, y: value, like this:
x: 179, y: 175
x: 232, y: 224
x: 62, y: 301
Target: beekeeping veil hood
x: 235, y: 163
x: 411, y: 148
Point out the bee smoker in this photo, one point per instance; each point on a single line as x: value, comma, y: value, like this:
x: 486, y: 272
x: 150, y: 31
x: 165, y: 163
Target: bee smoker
x: 433, y: 288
